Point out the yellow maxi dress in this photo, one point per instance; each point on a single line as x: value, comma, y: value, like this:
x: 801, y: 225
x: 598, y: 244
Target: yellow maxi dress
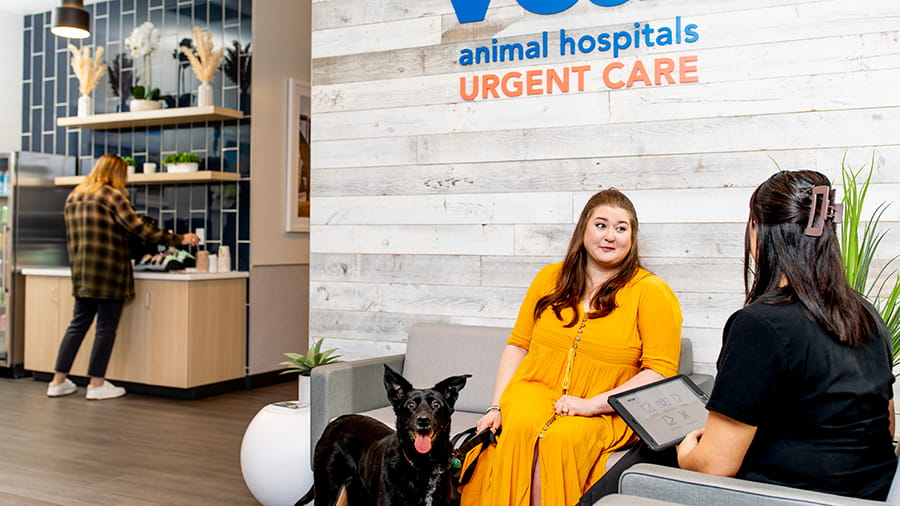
x: 643, y: 332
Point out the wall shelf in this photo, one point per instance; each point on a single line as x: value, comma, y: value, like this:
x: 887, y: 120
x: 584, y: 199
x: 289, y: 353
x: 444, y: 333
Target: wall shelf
x: 201, y: 176
x: 150, y: 118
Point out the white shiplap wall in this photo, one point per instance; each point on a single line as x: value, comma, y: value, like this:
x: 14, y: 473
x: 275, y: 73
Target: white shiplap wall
x: 430, y: 208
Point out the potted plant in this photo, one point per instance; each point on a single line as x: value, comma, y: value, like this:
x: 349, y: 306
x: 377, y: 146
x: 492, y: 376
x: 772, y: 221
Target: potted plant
x: 142, y: 43
x: 129, y: 161
x: 857, y: 253
x: 204, y: 62
x: 304, y: 364
x: 182, y: 162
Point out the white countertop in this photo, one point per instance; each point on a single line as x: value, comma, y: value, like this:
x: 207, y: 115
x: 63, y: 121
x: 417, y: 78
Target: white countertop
x: 166, y: 276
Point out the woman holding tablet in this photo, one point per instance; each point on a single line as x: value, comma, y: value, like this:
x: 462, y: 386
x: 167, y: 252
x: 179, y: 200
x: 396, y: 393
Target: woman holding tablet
x: 590, y: 326
x: 803, y: 391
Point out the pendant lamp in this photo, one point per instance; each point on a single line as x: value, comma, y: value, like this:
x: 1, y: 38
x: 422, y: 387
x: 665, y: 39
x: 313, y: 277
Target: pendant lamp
x: 71, y: 20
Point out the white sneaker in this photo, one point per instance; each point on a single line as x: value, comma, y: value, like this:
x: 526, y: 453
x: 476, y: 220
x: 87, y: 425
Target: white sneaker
x: 64, y: 388
x: 106, y: 391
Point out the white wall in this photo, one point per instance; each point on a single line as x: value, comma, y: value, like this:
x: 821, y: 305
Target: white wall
x: 428, y: 207
x: 11, y: 40
x: 279, y: 260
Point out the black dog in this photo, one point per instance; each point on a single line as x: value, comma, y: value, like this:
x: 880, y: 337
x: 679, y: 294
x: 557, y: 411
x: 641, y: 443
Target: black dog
x: 361, y: 461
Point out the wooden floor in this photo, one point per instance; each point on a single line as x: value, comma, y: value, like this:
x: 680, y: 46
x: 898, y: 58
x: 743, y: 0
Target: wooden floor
x: 137, y: 450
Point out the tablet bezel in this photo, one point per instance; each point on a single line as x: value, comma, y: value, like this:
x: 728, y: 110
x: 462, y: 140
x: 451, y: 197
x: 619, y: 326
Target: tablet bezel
x: 619, y: 407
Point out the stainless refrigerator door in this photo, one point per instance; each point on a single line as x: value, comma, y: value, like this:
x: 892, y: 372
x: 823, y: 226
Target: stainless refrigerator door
x: 39, y: 230
x: 34, y: 235
x: 6, y: 351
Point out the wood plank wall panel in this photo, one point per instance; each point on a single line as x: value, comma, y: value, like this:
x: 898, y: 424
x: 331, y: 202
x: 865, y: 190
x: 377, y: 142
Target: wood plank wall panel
x: 431, y: 208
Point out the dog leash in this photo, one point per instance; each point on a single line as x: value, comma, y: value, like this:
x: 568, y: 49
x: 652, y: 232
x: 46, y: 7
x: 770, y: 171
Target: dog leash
x: 466, y: 455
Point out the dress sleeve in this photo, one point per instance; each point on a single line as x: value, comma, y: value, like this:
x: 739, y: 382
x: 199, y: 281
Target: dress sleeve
x: 750, y: 366
x: 125, y: 216
x: 659, y: 326
x: 541, y: 285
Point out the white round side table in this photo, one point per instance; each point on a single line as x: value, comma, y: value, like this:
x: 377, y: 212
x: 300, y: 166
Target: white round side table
x: 275, y: 454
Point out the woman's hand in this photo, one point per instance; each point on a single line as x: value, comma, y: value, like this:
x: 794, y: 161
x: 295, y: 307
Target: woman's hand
x: 569, y: 405
x: 689, y: 442
x: 490, y: 420
x: 190, y: 239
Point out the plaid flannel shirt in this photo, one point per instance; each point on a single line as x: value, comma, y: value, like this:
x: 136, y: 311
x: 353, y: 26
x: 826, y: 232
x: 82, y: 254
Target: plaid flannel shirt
x: 98, y: 226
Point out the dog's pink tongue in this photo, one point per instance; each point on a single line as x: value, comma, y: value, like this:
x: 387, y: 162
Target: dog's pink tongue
x: 423, y: 443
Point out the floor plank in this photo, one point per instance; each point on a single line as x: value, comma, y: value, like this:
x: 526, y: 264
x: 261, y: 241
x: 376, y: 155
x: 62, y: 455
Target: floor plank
x: 135, y: 451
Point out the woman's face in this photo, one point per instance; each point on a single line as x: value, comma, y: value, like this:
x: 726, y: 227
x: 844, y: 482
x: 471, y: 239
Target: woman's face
x: 608, y: 236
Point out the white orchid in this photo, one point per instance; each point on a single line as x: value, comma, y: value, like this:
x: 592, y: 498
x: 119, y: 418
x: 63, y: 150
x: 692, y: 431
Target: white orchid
x: 143, y: 41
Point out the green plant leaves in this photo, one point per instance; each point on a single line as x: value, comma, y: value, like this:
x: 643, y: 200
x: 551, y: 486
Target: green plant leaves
x: 304, y: 364
x: 182, y: 158
x: 858, y: 252
x: 141, y: 93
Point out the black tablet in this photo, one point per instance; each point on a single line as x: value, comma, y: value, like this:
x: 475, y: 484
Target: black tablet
x: 662, y: 413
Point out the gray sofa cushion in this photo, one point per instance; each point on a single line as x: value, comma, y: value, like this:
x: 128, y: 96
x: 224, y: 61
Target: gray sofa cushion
x: 435, y: 351
x: 690, y: 488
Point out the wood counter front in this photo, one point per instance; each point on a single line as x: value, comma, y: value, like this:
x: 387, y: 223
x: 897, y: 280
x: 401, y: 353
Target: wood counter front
x: 174, y: 333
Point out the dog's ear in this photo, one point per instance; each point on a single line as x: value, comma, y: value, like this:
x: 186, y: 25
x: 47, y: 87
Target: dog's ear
x: 395, y: 385
x: 450, y: 387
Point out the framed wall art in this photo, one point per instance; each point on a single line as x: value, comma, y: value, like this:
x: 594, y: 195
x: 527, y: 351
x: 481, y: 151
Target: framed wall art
x: 297, y: 161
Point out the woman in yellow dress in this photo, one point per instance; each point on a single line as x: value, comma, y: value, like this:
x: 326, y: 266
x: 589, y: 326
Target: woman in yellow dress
x: 589, y: 327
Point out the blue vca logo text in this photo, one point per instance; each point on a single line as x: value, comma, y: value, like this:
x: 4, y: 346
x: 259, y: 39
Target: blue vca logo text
x: 471, y: 11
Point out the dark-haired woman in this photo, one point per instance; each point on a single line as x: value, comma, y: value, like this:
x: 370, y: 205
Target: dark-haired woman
x: 99, y: 221
x: 803, y: 391
x: 591, y: 326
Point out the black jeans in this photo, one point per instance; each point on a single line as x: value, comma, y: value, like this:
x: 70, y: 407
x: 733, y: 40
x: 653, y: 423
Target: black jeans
x: 609, y: 484
x: 108, y: 312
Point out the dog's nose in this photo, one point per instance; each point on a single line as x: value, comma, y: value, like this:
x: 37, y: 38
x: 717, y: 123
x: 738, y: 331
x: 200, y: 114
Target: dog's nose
x: 423, y: 422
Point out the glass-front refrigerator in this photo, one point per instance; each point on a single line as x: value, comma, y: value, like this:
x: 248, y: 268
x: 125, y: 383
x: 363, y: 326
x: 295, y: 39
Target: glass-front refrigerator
x: 32, y: 234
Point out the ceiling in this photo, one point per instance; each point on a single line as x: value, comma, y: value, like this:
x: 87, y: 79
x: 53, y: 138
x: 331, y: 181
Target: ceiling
x: 22, y: 7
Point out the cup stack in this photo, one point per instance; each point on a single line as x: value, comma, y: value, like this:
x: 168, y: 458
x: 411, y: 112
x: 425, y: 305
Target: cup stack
x: 203, y: 261
x: 224, y: 259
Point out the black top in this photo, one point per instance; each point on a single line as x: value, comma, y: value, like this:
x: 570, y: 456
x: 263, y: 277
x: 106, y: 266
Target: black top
x: 820, y: 407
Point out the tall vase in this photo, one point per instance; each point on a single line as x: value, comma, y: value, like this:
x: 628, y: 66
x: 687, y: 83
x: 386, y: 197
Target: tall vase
x: 85, y: 105
x: 204, y: 95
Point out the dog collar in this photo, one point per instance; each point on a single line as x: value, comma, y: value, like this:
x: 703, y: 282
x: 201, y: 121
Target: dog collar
x: 454, y: 463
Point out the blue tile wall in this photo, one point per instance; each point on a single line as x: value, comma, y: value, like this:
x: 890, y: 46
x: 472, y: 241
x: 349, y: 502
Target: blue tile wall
x: 50, y: 91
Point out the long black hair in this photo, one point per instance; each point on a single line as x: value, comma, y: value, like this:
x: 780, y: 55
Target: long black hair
x: 572, y: 282
x: 779, y: 210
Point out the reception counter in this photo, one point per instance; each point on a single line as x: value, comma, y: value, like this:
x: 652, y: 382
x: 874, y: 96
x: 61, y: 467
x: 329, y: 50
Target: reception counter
x: 182, y: 330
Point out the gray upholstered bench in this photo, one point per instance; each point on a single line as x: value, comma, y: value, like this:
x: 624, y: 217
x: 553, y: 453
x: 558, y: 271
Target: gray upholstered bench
x: 652, y: 485
x: 434, y: 351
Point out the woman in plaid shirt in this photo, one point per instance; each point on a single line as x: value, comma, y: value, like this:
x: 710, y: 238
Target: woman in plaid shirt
x: 99, y: 222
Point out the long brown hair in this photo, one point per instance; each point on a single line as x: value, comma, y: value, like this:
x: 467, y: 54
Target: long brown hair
x: 779, y: 209
x: 110, y: 170
x: 572, y: 282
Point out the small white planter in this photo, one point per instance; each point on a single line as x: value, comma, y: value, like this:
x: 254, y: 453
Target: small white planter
x: 204, y: 95
x: 176, y: 168
x: 85, y: 105
x: 140, y: 104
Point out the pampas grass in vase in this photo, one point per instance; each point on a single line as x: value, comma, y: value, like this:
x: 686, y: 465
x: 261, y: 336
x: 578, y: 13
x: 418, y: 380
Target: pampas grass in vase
x: 88, y: 71
x: 204, y: 63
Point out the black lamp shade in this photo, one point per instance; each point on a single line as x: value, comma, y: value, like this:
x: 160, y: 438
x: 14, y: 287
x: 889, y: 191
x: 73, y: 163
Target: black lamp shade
x: 71, y: 20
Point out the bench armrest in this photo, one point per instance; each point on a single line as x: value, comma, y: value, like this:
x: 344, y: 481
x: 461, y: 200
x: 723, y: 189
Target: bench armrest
x: 704, y: 381
x: 688, y: 487
x: 347, y: 387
